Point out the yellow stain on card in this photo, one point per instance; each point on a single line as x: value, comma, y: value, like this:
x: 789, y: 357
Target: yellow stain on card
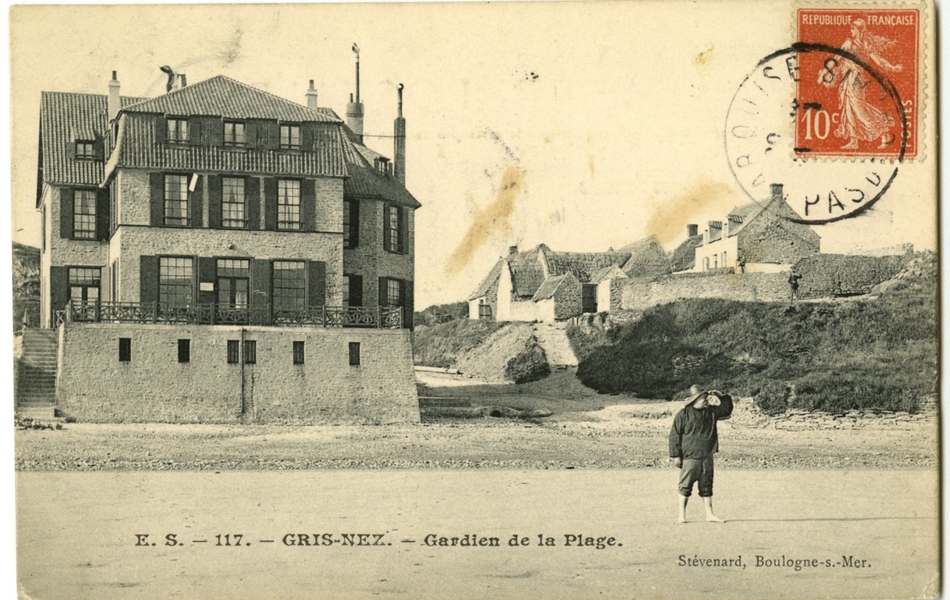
x: 706, y: 199
x: 704, y: 56
x: 492, y: 219
x: 590, y: 164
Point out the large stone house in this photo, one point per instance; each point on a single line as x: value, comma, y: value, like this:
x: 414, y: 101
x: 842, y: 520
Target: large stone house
x: 755, y: 237
x: 544, y: 285
x: 220, y: 254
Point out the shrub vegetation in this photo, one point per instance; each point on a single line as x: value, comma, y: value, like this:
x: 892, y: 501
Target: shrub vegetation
x: 866, y: 355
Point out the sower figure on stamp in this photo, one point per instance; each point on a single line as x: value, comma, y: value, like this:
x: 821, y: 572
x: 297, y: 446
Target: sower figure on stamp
x: 694, y: 439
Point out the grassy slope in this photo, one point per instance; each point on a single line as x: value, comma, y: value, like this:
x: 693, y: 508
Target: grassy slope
x: 441, y: 345
x: 821, y: 356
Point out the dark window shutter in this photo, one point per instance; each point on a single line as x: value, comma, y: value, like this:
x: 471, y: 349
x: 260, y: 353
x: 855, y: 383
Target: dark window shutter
x: 382, y: 291
x: 217, y: 132
x: 66, y: 208
x: 408, y: 303
x: 99, y: 148
x: 306, y: 137
x: 102, y: 213
x: 270, y: 204
x: 207, y: 271
x: 196, y: 200
x: 194, y: 131
x: 354, y: 223
x: 161, y: 129
x: 71, y: 149
x: 58, y: 288
x: 148, y: 278
x: 387, y: 232
x: 156, y: 199
x: 356, y: 290
x: 214, y: 200
x: 403, y: 229
x: 208, y: 127
x: 260, y: 288
x: 252, y: 197
x: 317, y: 282
x: 250, y: 134
x: 308, y: 201
x: 273, y: 135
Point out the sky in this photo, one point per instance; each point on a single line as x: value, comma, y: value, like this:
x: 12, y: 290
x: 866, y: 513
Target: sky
x: 582, y: 126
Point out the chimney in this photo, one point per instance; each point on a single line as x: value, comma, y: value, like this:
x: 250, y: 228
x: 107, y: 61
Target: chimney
x: 354, y: 109
x: 692, y: 230
x: 776, y: 191
x: 512, y: 250
x: 114, y: 104
x: 399, y: 141
x: 183, y: 80
x: 312, y: 97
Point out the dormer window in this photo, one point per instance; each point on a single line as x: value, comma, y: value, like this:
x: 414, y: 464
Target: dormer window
x: 383, y: 165
x: 85, y: 150
x: 234, y: 133
x: 177, y: 131
x: 290, y: 137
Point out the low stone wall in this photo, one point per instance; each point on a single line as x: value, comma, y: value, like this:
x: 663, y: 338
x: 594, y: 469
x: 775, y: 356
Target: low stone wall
x: 828, y: 275
x: 95, y: 386
x: 639, y: 294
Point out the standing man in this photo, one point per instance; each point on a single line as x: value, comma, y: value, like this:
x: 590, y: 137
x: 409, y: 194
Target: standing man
x: 694, y: 440
x: 793, y: 284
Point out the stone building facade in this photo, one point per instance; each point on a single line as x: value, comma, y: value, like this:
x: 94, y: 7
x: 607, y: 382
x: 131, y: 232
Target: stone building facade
x: 755, y: 238
x: 219, y: 208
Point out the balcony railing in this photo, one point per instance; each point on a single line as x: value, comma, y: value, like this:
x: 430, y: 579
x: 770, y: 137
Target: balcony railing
x: 388, y: 317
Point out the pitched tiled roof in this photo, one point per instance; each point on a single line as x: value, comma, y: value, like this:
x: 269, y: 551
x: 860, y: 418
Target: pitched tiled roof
x: 684, y: 257
x: 583, y: 264
x: 527, y: 274
x: 141, y: 145
x: 222, y: 96
x: 490, y: 281
x: 646, y: 257
x: 364, y: 180
x: 65, y: 118
x: 740, y: 216
x: 549, y: 287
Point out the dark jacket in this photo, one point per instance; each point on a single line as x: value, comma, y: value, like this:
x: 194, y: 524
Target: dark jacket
x: 694, y: 433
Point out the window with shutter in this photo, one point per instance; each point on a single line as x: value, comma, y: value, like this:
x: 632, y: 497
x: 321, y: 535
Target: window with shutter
x: 289, y: 285
x: 232, y: 204
x: 84, y: 214
x: 176, y: 131
x: 85, y: 150
x: 234, y: 134
x: 394, y: 229
x: 290, y: 137
x: 288, y: 204
x: 176, y: 200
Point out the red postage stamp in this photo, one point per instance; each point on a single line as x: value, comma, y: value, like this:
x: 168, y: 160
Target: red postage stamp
x: 858, y: 96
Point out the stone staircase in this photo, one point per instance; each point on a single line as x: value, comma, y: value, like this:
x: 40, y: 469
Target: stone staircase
x: 552, y: 337
x: 36, y: 374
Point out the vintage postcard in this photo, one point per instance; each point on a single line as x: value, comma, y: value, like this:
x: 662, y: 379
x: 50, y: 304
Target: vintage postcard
x: 476, y: 300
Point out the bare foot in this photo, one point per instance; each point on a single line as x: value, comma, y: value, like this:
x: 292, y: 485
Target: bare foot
x: 851, y: 145
x: 713, y: 518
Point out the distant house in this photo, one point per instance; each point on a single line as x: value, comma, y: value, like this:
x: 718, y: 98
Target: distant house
x: 753, y: 237
x: 544, y: 285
